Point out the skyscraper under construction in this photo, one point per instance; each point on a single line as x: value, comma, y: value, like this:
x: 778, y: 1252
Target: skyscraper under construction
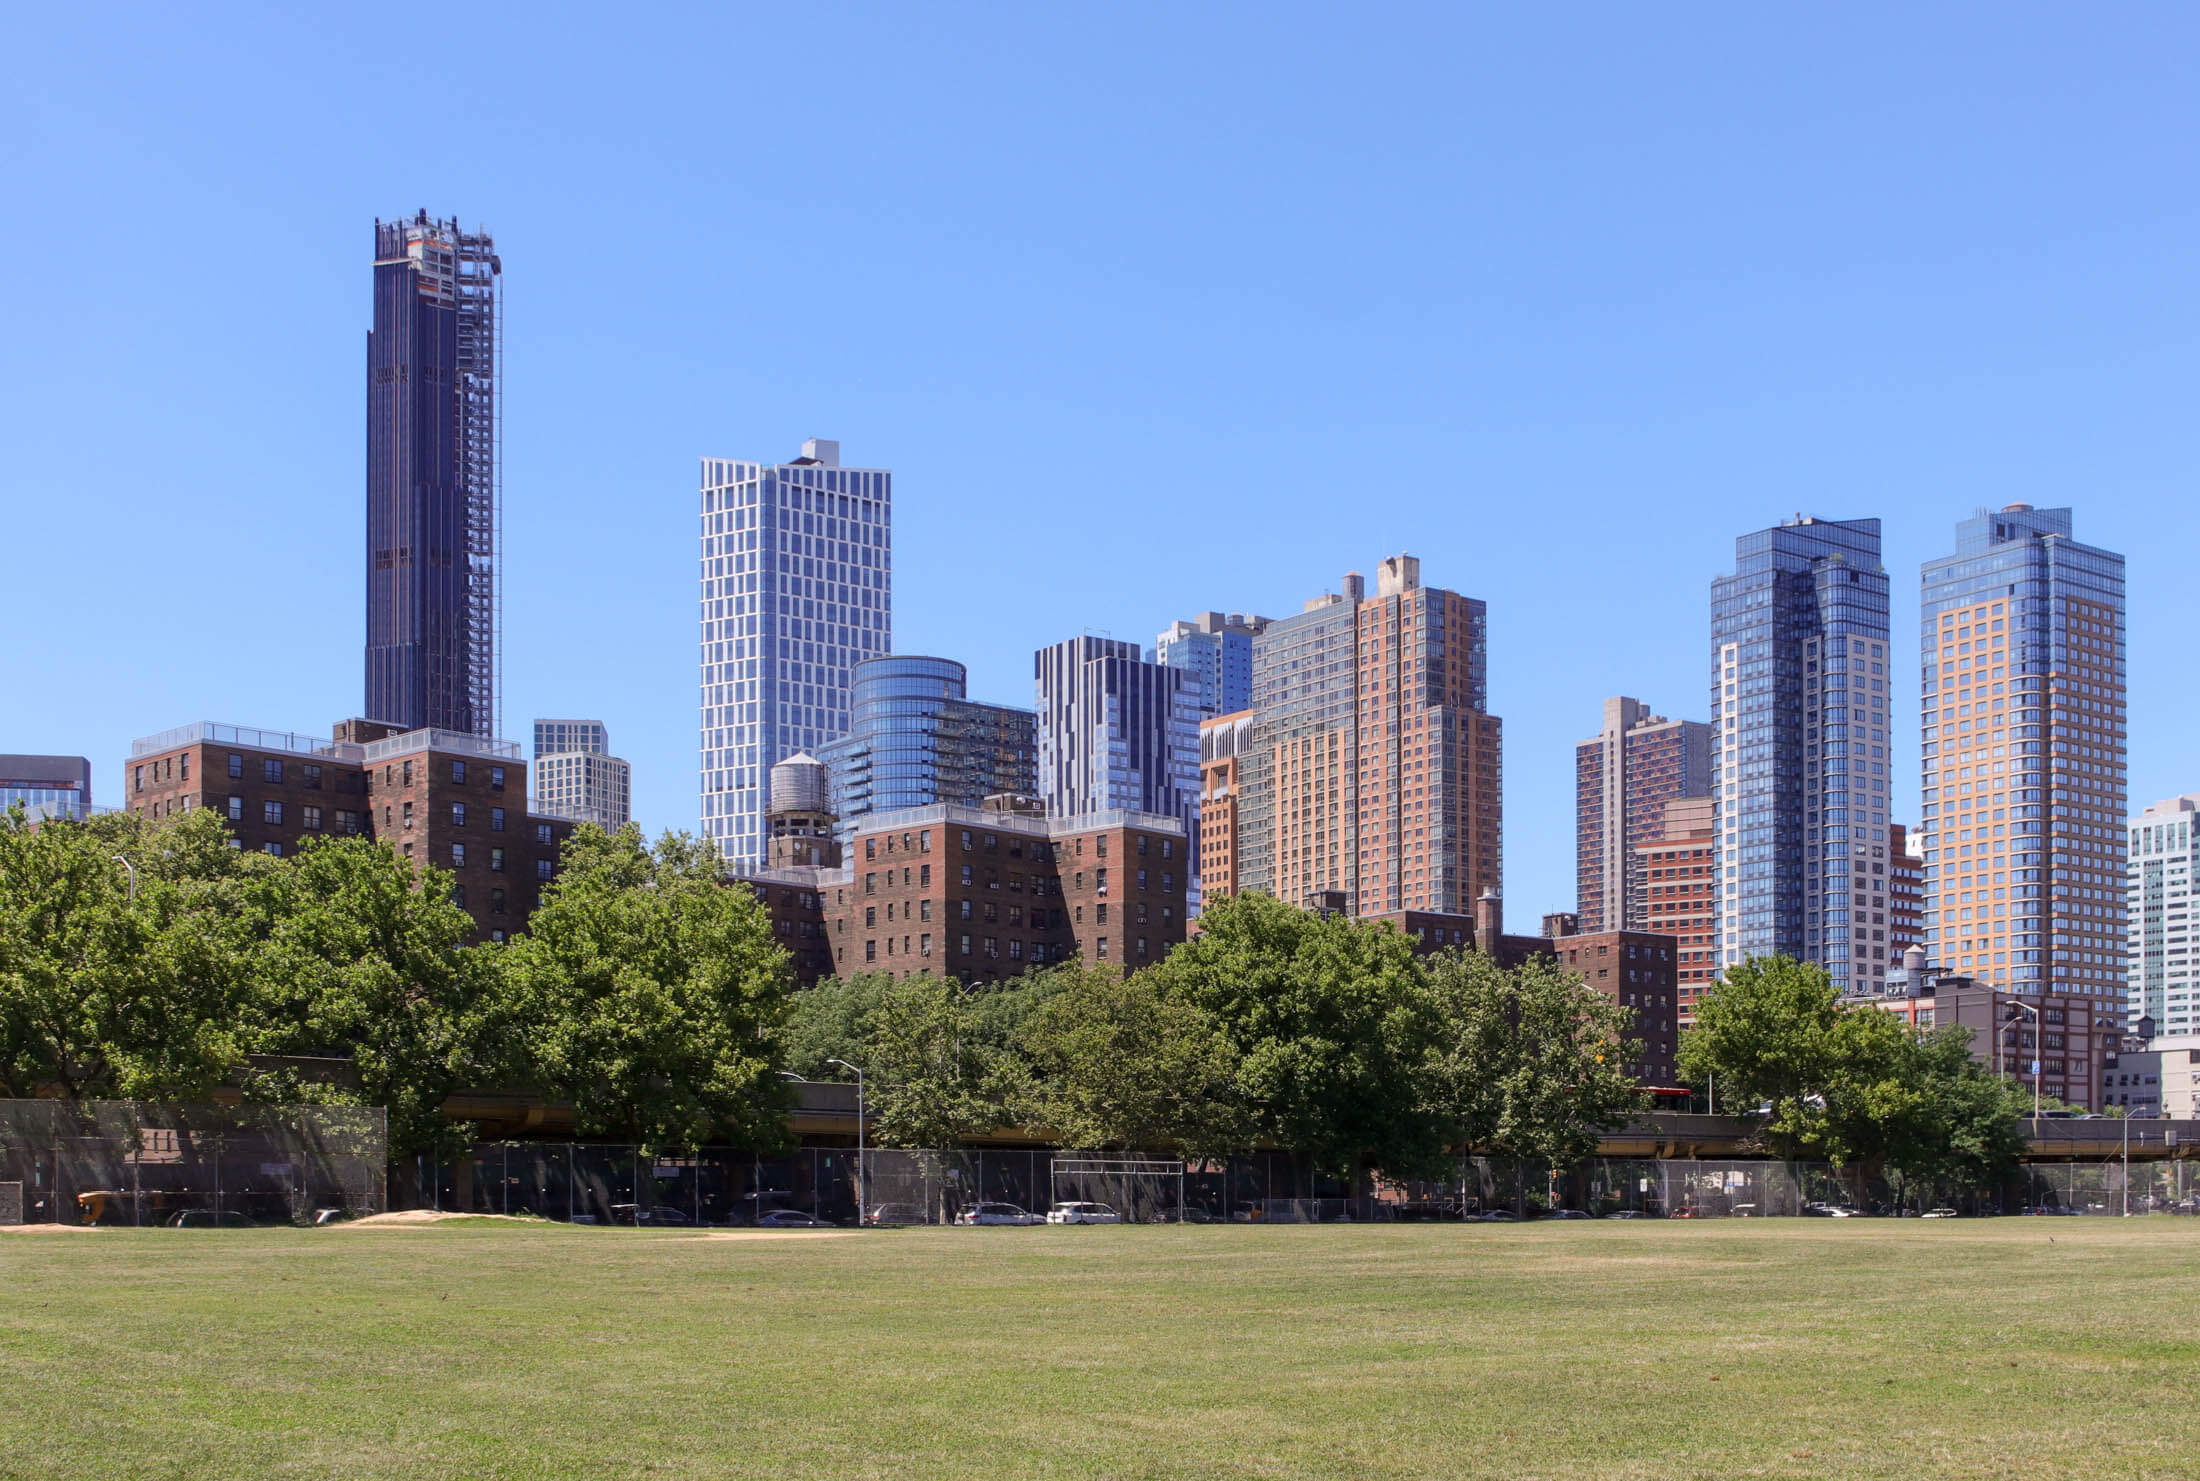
x: 434, y: 478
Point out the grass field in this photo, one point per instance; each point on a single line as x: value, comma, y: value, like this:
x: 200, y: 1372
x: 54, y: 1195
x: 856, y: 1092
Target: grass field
x: 2001, y: 1348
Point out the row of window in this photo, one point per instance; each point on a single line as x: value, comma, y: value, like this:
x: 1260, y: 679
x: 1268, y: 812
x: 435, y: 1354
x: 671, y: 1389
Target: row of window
x: 1017, y: 950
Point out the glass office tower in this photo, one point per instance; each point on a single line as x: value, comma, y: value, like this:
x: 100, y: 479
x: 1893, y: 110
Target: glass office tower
x: 915, y: 738
x: 797, y: 589
x: 1218, y: 646
x: 2023, y: 756
x: 1799, y: 759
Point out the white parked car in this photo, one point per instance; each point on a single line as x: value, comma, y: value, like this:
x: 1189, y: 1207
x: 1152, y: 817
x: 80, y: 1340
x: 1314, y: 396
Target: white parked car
x: 1083, y: 1213
x: 997, y: 1213
x: 1939, y: 1213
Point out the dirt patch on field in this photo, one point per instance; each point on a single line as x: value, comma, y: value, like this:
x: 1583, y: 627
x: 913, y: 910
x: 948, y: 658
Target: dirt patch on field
x: 48, y: 1229
x: 415, y: 1218
x: 777, y: 1234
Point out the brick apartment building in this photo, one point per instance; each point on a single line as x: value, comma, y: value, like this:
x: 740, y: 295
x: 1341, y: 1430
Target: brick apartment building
x: 985, y: 893
x: 1220, y: 783
x: 2073, y: 1037
x: 435, y: 797
x: 1678, y: 871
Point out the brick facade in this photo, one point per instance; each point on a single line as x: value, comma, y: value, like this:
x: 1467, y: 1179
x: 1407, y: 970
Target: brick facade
x: 431, y: 797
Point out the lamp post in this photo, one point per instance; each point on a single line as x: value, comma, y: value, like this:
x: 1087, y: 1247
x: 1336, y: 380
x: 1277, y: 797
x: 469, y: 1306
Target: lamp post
x: 2039, y: 1045
x: 132, y: 868
x: 757, y: 1192
x: 863, y: 1182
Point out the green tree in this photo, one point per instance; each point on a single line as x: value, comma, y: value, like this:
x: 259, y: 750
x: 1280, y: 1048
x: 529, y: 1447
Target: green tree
x: 931, y: 1083
x: 831, y: 1019
x: 1941, y: 1119
x: 105, y: 995
x: 1114, y: 1065
x: 358, y: 959
x: 654, y: 994
x: 1328, y: 1025
x: 1565, y: 1082
x: 1767, y: 1034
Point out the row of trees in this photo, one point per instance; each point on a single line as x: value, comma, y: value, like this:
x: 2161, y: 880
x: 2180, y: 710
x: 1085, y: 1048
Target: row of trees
x: 1329, y: 1038
x: 145, y: 960
x: 151, y: 960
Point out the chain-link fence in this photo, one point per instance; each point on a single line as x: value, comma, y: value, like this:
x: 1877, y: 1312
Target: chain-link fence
x: 142, y: 1163
x: 612, y: 1184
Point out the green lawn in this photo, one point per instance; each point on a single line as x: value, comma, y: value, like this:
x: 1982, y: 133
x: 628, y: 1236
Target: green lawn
x: 1997, y: 1348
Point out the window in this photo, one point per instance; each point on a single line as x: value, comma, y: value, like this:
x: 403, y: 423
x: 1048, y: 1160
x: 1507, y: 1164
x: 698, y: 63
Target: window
x: 1141, y: 878
x: 312, y: 820
x: 966, y: 943
x: 1141, y: 845
x: 870, y: 951
x: 1100, y: 880
x: 496, y: 820
x: 1141, y: 948
x: 993, y: 946
x: 272, y: 848
x: 1100, y: 913
x: 924, y: 910
x: 870, y: 916
x: 312, y: 776
x: 542, y: 835
x: 458, y: 815
x: 1167, y: 847
x: 458, y: 772
x: 965, y: 909
x: 967, y: 877
x: 496, y: 861
x: 542, y: 868
x: 496, y: 935
x: 408, y: 773
x: 1015, y: 950
x: 137, y: 779
x: 347, y: 821
x: 1101, y: 947
x: 966, y: 840
x: 870, y: 848
x: 924, y: 943
x: 458, y: 856
x: 991, y: 841
x: 496, y: 778
x: 271, y: 812
x: 458, y: 896
x: 236, y: 765
x: 924, y: 841
x: 184, y: 762
x: 870, y: 884
x: 924, y: 875
x: 1168, y: 881
x: 408, y: 814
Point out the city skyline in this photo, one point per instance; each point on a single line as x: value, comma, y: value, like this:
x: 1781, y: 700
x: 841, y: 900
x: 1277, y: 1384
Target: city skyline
x: 1659, y: 358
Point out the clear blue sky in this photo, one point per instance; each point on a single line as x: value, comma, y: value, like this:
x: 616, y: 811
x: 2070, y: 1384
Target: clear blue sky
x: 1151, y: 310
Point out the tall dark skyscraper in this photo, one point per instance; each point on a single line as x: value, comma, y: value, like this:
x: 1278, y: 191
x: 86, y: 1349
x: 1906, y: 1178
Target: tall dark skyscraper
x: 434, y: 478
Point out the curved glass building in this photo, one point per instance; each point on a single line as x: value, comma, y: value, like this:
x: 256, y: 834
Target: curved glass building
x: 915, y: 738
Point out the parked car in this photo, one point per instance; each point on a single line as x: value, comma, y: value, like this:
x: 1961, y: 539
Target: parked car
x: 997, y: 1213
x: 1686, y: 1211
x: 1828, y: 1211
x: 206, y: 1218
x: 895, y: 1213
x: 791, y: 1218
x: 657, y: 1215
x: 1627, y: 1213
x: 1083, y: 1213
x: 1496, y: 1216
x: 1744, y: 1211
x: 1939, y: 1213
x: 1568, y: 1213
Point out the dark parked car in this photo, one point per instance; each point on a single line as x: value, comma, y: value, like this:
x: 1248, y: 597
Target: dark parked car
x: 656, y: 1216
x: 206, y: 1218
x: 790, y: 1218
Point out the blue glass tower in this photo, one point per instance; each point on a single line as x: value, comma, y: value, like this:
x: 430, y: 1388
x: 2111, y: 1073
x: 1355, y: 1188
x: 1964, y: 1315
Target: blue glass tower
x: 1799, y: 760
x: 1219, y: 648
x: 915, y: 738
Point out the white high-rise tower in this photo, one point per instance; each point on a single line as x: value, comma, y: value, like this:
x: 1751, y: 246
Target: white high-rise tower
x: 797, y: 588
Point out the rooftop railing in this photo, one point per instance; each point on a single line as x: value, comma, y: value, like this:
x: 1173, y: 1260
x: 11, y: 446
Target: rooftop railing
x: 453, y: 742
x: 213, y: 732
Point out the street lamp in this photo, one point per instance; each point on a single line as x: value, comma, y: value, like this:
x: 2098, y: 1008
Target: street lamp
x: 2039, y: 1046
x: 863, y: 1182
x: 125, y: 863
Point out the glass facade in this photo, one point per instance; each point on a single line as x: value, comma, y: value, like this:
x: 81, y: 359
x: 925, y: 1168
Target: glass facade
x: 915, y: 738
x: 2023, y: 758
x: 571, y: 737
x: 1115, y: 731
x: 1799, y: 760
x: 47, y: 786
x: 1219, y: 648
x: 797, y: 589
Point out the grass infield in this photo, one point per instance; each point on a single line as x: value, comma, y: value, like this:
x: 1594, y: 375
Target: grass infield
x: 2006, y: 1348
